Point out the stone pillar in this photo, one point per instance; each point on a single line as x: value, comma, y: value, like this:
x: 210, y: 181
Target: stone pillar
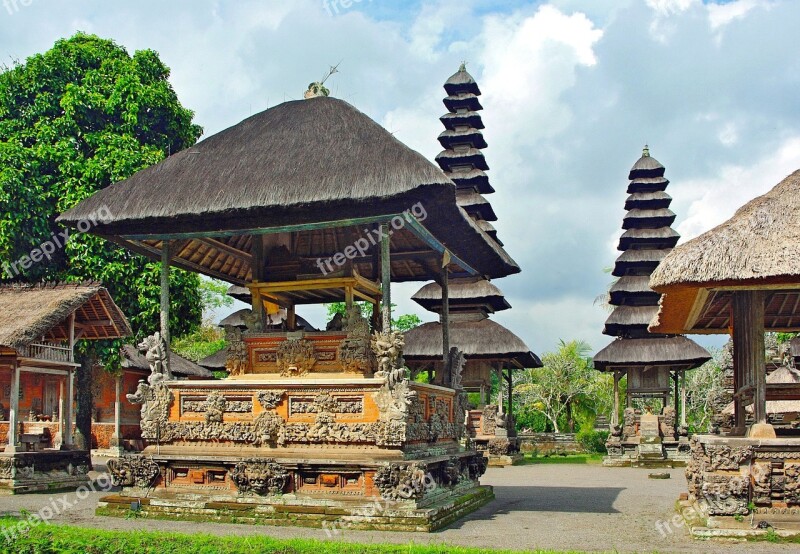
x: 499, y: 391
x: 62, y: 422
x: 683, y: 399
x: 445, y: 317
x: 13, y: 411
x: 116, y: 440
x: 483, y: 395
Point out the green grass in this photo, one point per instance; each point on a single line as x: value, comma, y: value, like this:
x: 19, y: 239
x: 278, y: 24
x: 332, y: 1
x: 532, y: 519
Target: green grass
x: 568, y: 459
x: 62, y: 539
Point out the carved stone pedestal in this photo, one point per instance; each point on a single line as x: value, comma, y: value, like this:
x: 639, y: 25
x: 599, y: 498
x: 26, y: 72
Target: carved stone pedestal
x: 49, y: 470
x: 730, y: 477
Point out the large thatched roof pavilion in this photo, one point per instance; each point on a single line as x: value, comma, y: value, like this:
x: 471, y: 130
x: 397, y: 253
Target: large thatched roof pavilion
x: 307, y: 202
x: 743, y: 277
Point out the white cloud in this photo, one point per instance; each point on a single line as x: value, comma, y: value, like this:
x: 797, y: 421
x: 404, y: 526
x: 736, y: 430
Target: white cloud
x: 720, y: 15
x: 718, y: 197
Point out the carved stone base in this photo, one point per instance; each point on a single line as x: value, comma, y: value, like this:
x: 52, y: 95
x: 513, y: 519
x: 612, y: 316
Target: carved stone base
x: 416, y: 495
x: 640, y: 453
x: 53, y: 470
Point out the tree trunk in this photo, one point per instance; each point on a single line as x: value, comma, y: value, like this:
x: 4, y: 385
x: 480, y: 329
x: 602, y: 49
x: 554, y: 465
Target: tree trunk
x: 570, y: 422
x: 83, y: 415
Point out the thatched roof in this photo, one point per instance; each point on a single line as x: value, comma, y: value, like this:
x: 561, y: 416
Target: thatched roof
x: 450, y: 138
x: 237, y: 319
x: 794, y: 347
x: 630, y: 286
x: 461, y: 82
x: 641, y: 218
x: 648, y: 200
x: 675, y: 352
x: 783, y: 376
x: 663, y: 237
x: 216, y: 361
x: 292, y: 168
x: 624, y: 317
x: 467, y: 101
x: 462, y: 292
x: 133, y: 359
x: 646, y: 167
x: 472, y: 178
x: 475, y: 203
x: 758, y: 248
x: 447, y: 159
x: 645, y: 259
x: 483, y: 339
x: 457, y: 119
x: 29, y: 313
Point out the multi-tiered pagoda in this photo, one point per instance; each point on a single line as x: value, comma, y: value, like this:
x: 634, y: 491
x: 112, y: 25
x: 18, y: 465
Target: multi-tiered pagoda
x: 487, y: 346
x: 650, y: 361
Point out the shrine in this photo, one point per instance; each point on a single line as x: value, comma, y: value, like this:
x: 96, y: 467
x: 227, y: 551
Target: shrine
x: 654, y: 365
x: 308, y: 202
x: 39, y: 325
x: 742, y: 277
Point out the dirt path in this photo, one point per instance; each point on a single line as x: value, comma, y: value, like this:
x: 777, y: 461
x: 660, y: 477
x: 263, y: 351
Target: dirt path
x: 560, y: 507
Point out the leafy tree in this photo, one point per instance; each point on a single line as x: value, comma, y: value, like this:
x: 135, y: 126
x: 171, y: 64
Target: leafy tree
x: 206, y: 340
x: 74, y: 120
x: 705, y: 391
x: 214, y: 294
x: 558, y: 389
x: 401, y: 323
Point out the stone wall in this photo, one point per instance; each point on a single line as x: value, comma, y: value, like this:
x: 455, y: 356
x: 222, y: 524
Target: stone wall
x: 547, y: 443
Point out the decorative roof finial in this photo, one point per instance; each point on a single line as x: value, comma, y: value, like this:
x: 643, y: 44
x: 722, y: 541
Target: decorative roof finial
x: 646, y: 151
x: 318, y: 88
x: 463, y: 66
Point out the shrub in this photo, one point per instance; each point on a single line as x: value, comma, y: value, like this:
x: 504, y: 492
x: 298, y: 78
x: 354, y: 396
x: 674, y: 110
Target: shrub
x: 592, y: 441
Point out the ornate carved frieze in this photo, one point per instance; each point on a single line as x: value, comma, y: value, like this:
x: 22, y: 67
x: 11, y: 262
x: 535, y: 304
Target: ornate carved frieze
x: 260, y: 476
x: 236, y: 360
x: 489, y: 425
x: 133, y: 471
x: 726, y: 494
x: 325, y: 402
x: 295, y: 357
x: 215, y: 408
x: 199, y: 405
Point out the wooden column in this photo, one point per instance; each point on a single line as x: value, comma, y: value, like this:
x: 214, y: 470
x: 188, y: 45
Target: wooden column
x: 675, y: 392
x: 482, y: 395
x: 66, y: 437
x: 13, y: 411
x: 257, y: 271
x: 615, y: 409
x: 386, y: 279
x: 683, y: 399
x: 166, y: 256
x: 445, y: 316
x: 499, y: 390
x: 62, y: 423
x: 291, y: 318
x: 510, y: 381
x: 748, y: 347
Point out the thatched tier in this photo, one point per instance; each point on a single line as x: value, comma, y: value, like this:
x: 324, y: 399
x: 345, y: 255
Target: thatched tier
x: 463, y: 101
x: 462, y: 293
x: 794, y: 348
x: 471, y: 179
x: 778, y: 379
x: 461, y: 82
x: 627, y: 319
x: 216, y: 361
x: 449, y: 159
x: 489, y: 229
x: 661, y: 238
x: 475, y: 204
x: 648, y: 219
x: 32, y: 313
x: 641, y: 262
x: 633, y: 288
x: 647, y: 184
x: 648, y: 201
x: 646, y: 167
x: 482, y: 340
x: 677, y: 353
x: 460, y: 119
x: 757, y: 249
x: 470, y: 136
x: 254, y: 179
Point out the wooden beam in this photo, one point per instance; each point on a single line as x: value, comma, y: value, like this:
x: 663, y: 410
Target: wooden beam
x: 226, y: 248
x: 386, y: 278
x: 445, y: 319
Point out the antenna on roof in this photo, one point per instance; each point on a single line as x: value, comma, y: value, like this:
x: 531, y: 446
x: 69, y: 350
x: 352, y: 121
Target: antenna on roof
x: 318, y: 88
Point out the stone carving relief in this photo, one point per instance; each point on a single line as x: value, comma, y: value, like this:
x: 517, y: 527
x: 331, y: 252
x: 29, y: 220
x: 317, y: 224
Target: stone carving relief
x: 500, y: 447
x: 726, y: 494
x: 133, y: 471
x: 488, y: 426
x: 153, y: 395
x: 324, y: 402
x: 791, y: 485
x: 628, y: 423
x: 355, y: 352
x: 252, y: 321
x: 215, y: 407
x: 668, y: 420
x: 476, y: 466
x: 260, y: 476
x: 236, y: 360
x: 455, y: 365
x: 388, y: 350
x: 726, y: 457
x: 401, y: 482
x: 270, y: 399
x: 452, y: 472
x: 761, y: 476
x: 295, y: 357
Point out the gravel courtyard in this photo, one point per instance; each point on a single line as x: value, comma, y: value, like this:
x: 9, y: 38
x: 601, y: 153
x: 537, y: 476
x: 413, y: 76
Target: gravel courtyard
x: 561, y: 507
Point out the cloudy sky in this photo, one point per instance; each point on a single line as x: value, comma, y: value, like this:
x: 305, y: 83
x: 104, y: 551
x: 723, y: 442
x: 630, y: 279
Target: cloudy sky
x: 572, y: 90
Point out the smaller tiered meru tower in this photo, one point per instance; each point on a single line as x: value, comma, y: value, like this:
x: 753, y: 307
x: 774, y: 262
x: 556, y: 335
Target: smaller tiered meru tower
x: 650, y: 361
